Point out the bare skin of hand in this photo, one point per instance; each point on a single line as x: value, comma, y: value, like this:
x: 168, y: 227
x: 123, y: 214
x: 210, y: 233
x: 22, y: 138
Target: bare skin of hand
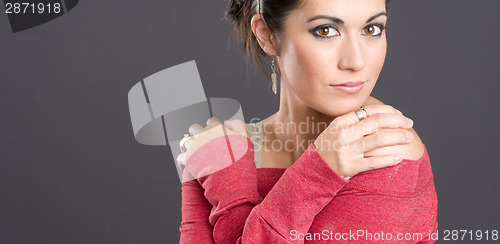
x: 202, y: 135
x: 345, y: 142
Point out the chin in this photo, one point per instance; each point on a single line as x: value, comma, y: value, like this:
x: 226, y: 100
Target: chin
x: 342, y: 106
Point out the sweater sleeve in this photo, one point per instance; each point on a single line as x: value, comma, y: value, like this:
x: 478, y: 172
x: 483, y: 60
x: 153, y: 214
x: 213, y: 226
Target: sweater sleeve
x: 428, y: 238
x: 240, y: 215
x: 291, y: 206
x: 195, y: 227
x: 227, y: 196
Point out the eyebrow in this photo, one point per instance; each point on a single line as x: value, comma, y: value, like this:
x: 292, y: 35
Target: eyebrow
x: 339, y: 21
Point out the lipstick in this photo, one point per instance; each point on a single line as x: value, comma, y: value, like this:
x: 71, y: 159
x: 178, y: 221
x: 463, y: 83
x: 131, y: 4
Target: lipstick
x: 350, y: 87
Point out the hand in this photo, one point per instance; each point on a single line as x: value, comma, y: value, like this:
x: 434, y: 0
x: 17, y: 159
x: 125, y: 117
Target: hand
x: 202, y: 136
x: 345, y: 142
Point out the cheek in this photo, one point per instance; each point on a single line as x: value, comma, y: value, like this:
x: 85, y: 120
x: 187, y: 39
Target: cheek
x: 305, y: 64
x: 307, y: 67
x: 375, y: 59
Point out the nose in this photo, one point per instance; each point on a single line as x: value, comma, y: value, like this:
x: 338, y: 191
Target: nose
x: 351, y: 55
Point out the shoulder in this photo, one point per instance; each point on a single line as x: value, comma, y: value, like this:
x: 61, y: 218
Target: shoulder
x: 413, y: 150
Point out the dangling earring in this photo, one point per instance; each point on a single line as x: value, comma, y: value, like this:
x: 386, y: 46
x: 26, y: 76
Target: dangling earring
x: 274, y: 78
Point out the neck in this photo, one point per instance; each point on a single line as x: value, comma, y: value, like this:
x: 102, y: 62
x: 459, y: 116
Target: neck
x: 295, y: 126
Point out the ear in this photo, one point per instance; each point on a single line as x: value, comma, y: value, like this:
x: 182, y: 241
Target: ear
x: 263, y: 35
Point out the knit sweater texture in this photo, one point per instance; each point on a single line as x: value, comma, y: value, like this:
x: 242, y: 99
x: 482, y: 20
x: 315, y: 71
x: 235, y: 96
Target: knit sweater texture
x: 307, y: 202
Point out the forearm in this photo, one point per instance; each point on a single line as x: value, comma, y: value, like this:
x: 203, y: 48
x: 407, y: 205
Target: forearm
x: 303, y: 190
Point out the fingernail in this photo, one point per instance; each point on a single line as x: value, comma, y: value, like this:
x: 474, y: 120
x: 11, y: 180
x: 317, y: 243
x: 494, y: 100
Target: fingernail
x: 398, y: 157
x: 410, y: 122
x: 409, y: 135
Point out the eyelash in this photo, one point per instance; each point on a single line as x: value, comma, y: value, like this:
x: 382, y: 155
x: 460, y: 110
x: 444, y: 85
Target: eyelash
x: 379, y: 25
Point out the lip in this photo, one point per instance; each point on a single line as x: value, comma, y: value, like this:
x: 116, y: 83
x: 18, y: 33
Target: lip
x: 350, y: 87
x: 350, y: 83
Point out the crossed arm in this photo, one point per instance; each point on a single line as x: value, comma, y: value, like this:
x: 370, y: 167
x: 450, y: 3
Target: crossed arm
x: 225, y: 207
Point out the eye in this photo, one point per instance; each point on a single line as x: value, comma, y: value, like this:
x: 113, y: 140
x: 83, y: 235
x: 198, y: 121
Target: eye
x: 373, y: 30
x: 325, y: 31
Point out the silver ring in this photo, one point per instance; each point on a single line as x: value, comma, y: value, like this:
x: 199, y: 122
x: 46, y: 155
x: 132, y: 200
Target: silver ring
x: 360, y: 115
x: 183, y: 141
x: 366, y: 110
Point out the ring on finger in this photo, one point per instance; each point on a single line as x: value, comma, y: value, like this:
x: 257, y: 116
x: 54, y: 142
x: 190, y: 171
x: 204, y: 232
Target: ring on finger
x: 366, y: 110
x: 183, y: 142
x: 360, y: 114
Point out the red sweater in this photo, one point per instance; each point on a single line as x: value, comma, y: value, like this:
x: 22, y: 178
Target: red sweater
x: 307, y: 202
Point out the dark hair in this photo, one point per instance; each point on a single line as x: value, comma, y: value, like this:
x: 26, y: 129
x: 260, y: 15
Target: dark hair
x: 274, y: 12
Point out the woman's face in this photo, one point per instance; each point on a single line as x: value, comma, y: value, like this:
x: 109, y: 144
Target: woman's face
x: 316, y: 51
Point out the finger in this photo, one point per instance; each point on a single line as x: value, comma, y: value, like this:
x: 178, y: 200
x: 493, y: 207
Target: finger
x: 188, y: 142
x: 383, y: 151
x: 377, y: 122
x: 195, y: 129
x: 180, y: 161
x: 228, y: 124
x: 351, y: 118
x: 378, y: 162
x: 180, y: 144
x: 385, y: 138
x: 235, y: 125
x: 213, y: 122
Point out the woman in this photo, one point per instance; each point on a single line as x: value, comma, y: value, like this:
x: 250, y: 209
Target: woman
x: 364, y: 176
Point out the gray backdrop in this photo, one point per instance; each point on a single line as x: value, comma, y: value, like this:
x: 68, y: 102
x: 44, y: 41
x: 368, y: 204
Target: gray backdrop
x: 72, y: 172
